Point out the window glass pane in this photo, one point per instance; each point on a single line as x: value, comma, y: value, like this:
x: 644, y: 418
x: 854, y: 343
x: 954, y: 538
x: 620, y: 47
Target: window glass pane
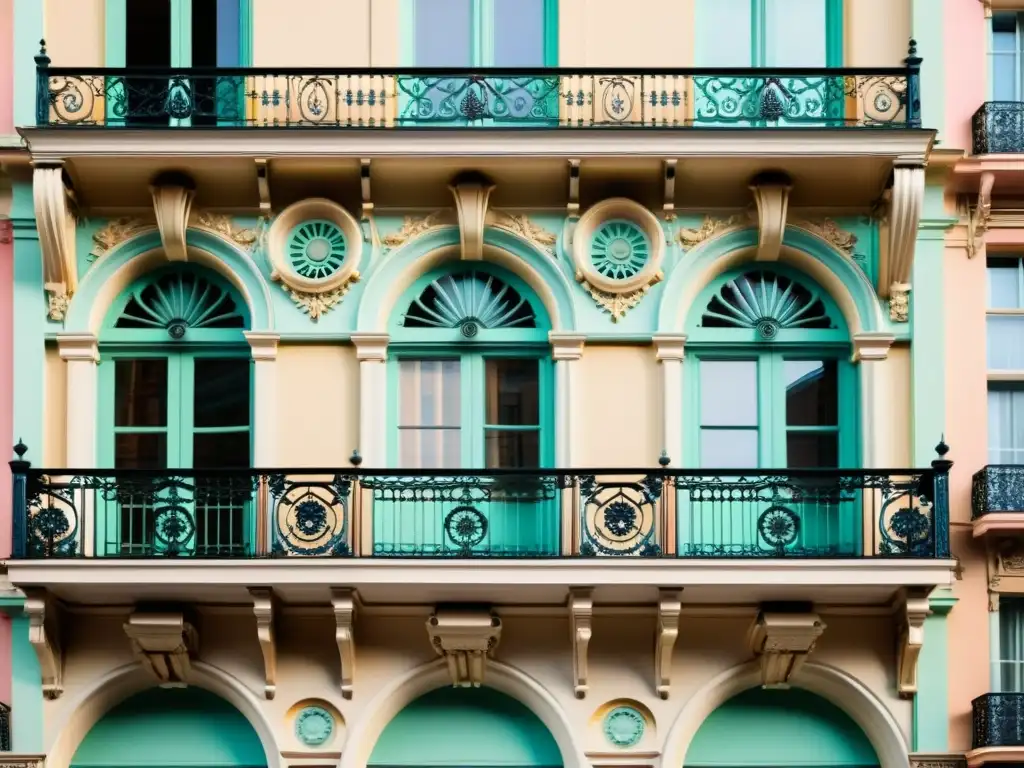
x: 810, y: 450
x: 221, y: 389
x: 812, y: 397
x: 518, y: 33
x: 728, y: 393
x: 140, y: 451
x: 723, y: 37
x: 1006, y: 424
x: 507, y: 449
x: 513, y: 392
x: 729, y: 449
x: 429, y: 392
x: 217, y: 450
x: 795, y: 33
x: 1005, y: 342
x: 1004, y: 76
x: 1003, y: 277
x: 443, y: 33
x: 140, y: 393
x: 1011, y: 645
x: 430, y: 448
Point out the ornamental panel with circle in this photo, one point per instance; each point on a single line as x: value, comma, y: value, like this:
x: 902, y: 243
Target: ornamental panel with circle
x: 315, y: 723
x: 622, y: 724
x: 624, y: 727
x: 618, y: 246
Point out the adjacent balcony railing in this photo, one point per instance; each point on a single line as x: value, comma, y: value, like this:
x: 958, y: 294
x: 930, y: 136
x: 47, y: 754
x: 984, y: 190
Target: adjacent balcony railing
x: 511, y: 98
x: 997, y: 488
x: 5, y: 728
x: 998, y: 128
x: 352, y: 512
x: 998, y: 720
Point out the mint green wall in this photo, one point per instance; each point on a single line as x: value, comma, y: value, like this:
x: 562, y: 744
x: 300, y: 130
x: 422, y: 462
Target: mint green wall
x: 779, y: 728
x: 931, y: 704
x: 926, y: 24
x: 28, y: 31
x: 171, y: 727
x: 26, y: 684
x: 465, y: 727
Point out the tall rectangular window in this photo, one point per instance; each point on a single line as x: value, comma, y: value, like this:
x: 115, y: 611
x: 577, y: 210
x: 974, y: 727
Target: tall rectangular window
x: 812, y: 413
x: 483, y: 33
x: 729, y: 434
x: 1011, y: 645
x: 1006, y: 56
x: 768, y: 33
x: 512, y: 417
x: 1005, y: 320
x: 430, y: 414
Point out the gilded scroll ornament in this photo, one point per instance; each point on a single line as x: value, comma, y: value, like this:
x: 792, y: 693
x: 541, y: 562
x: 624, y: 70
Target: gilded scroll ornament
x: 521, y: 225
x: 116, y: 232
x: 413, y: 226
x: 899, y: 305
x: 616, y: 304
x: 843, y: 241
x: 226, y: 228
x: 689, y: 237
x: 57, y: 301
x: 318, y: 304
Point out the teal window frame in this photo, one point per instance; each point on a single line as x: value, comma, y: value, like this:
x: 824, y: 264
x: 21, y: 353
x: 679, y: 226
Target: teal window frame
x: 483, y: 31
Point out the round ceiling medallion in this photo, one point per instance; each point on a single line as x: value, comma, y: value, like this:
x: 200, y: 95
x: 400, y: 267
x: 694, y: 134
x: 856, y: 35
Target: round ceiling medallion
x: 314, y: 726
x: 317, y: 248
x: 619, y: 249
x: 618, y: 246
x: 624, y: 726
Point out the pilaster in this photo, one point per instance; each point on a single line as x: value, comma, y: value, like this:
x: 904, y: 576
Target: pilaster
x: 264, y: 355
x: 372, y: 353
x: 80, y: 353
x: 669, y: 350
x: 566, y: 351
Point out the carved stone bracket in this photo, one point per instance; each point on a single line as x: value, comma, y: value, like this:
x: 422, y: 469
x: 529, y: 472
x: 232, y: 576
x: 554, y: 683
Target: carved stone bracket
x: 465, y: 639
x: 263, y: 607
x: 343, y: 601
x: 164, y: 644
x: 581, y: 616
x: 978, y: 219
x: 782, y: 642
x: 172, y: 203
x: 56, y: 227
x: 668, y: 173
x: 912, y: 611
x: 670, y: 606
x: 44, y: 636
x: 771, y: 193
x: 471, y: 192
x: 906, y: 200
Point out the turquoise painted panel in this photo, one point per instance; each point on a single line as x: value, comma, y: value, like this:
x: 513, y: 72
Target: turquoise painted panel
x: 171, y: 727
x: 28, y: 31
x: 928, y: 29
x: 791, y: 728
x: 931, y: 704
x: 26, y: 691
x: 465, y: 727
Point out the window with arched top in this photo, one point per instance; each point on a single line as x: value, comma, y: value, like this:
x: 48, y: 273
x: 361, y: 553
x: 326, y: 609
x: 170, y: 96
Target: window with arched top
x: 175, y: 393
x: 471, y: 361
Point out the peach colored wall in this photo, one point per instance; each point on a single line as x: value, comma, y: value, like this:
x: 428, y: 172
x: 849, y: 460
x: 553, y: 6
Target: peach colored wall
x: 869, y: 43
x: 6, y: 416
x: 966, y: 433
x: 663, y: 39
x: 6, y: 67
x: 965, y: 52
x: 75, y: 39
x: 278, y: 41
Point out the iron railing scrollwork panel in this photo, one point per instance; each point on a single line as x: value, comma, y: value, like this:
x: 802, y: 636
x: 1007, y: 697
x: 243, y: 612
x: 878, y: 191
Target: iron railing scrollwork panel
x: 5, y: 728
x: 997, y: 488
x: 550, y: 97
x: 997, y: 127
x: 998, y: 720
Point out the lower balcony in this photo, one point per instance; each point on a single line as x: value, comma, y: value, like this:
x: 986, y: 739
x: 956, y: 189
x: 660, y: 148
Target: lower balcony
x: 997, y: 500
x: 998, y: 722
x: 998, y: 128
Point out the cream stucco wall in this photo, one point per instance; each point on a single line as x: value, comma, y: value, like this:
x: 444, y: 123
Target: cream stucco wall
x: 654, y: 33
x: 392, y: 641
x: 868, y: 41
x: 55, y: 413
x: 617, y: 431
x: 75, y: 39
x: 898, y: 365
x: 318, y: 401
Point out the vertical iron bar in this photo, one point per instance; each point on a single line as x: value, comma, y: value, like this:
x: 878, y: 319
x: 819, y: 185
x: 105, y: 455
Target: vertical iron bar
x: 43, y: 85
x: 19, y: 502
x: 913, y: 62
x: 940, y: 504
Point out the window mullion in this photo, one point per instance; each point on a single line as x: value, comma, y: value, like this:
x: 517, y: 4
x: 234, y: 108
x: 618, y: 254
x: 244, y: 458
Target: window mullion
x: 472, y: 410
x: 180, y: 409
x: 482, y: 23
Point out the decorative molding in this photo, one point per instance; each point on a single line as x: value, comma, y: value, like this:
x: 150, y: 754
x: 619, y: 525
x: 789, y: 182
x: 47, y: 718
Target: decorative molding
x: 56, y: 227
x: 224, y: 226
x: 952, y: 760
x: 771, y: 195
x: 843, y: 241
x: 670, y: 605
x: 316, y: 305
x: 572, y: 206
x: 115, y: 232
x: 899, y: 303
x: 263, y: 186
x: 263, y: 606
x: 978, y: 219
x: 783, y: 642
x: 314, y: 726
x: 519, y: 224
x: 711, y: 227
x: 372, y: 347
x: 615, y: 304
x: 912, y: 611
x: 172, y: 205
x: 566, y: 346
x: 905, y: 202
x: 581, y: 615
x: 471, y: 192
x: 263, y: 344
x: 343, y: 603
x: 872, y: 345
x: 163, y: 643
x: 669, y: 346
x: 668, y: 174
x: 414, y: 226
x: 6, y: 232
x: 987, y: 6
x: 465, y: 639
x: 14, y: 760
x: 624, y: 726
x: 44, y: 636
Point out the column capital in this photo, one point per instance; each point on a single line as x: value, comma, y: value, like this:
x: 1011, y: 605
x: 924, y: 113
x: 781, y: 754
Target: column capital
x: 566, y: 346
x: 871, y: 345
x: 669, y: 346
x: 263, y: 344
x: 371, y: 346
x: 78, y: 346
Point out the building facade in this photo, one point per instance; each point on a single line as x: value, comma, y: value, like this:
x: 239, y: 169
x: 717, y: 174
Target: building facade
x: 484, y: 382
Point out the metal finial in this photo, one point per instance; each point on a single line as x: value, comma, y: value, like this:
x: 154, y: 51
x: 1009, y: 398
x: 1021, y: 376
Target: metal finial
x: 42, y: 47
x: 20, y: 450
x: 912, y: 48
x: 664, y: 460
x: 355, y: 459
x: 942, y: 449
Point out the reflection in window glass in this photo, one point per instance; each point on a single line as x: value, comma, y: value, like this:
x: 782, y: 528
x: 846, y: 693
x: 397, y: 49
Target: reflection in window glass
x: 728, y: 393
x: 443, y: 36
x: 429, y: 414
x: 518, y: 33
x: 795, y: 33
x: 512, y: 399
x: 812, y: 397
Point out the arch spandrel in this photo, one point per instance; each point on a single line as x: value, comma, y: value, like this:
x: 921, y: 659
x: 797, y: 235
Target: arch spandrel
x: 840, y: 277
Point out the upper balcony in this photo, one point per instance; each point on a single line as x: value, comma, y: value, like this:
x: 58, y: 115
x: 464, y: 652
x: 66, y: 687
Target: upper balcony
x: 998, y: 720
x: 998, y: 128
x: 997, y: 500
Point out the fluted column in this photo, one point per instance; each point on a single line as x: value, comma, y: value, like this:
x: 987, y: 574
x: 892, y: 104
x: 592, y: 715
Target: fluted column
x: 372, y: 352
x: 566, y: 350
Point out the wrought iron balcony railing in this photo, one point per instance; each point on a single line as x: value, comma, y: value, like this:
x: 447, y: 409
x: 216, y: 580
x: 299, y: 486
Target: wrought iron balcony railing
x: 998, y: 720
x: 998, y: 128
x: 353, y: 512
x: 502, y: 98
x: 5, y: 728
x: 997, y: 488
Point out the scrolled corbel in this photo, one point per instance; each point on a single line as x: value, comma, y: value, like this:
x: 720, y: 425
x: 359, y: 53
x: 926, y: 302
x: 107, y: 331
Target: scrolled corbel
x: 173, y: 193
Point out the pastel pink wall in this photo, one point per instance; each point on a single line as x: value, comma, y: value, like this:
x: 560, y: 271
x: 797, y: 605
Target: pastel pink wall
x: 965, y: 53
x: 6, y: 67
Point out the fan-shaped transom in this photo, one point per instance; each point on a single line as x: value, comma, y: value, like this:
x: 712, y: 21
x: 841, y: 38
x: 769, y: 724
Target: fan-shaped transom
x: 317, y: 248
x: 177, y: 301
x: 619, y: 249
x: 470, y: 301
x: 766, y: 302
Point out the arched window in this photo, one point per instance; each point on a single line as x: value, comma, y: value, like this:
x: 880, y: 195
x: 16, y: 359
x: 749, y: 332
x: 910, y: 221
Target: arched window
x: 175, y: 393
x: 473, y: 373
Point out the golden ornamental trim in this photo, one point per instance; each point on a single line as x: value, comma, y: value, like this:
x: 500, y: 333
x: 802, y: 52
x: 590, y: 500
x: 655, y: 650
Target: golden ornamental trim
x: 691, y: 237
x: 521, y: 225
x: 318, y: 304
x: 116, y: 232
x: 617, y: 304
x: 899, y: 305
x: 414, y: 226
x: 225, y: 227
x: 842, y: 240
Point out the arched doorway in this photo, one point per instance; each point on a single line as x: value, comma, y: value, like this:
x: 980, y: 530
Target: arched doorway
x: 171, y: 727
x: 779, y: 727
x: 466, y: 727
